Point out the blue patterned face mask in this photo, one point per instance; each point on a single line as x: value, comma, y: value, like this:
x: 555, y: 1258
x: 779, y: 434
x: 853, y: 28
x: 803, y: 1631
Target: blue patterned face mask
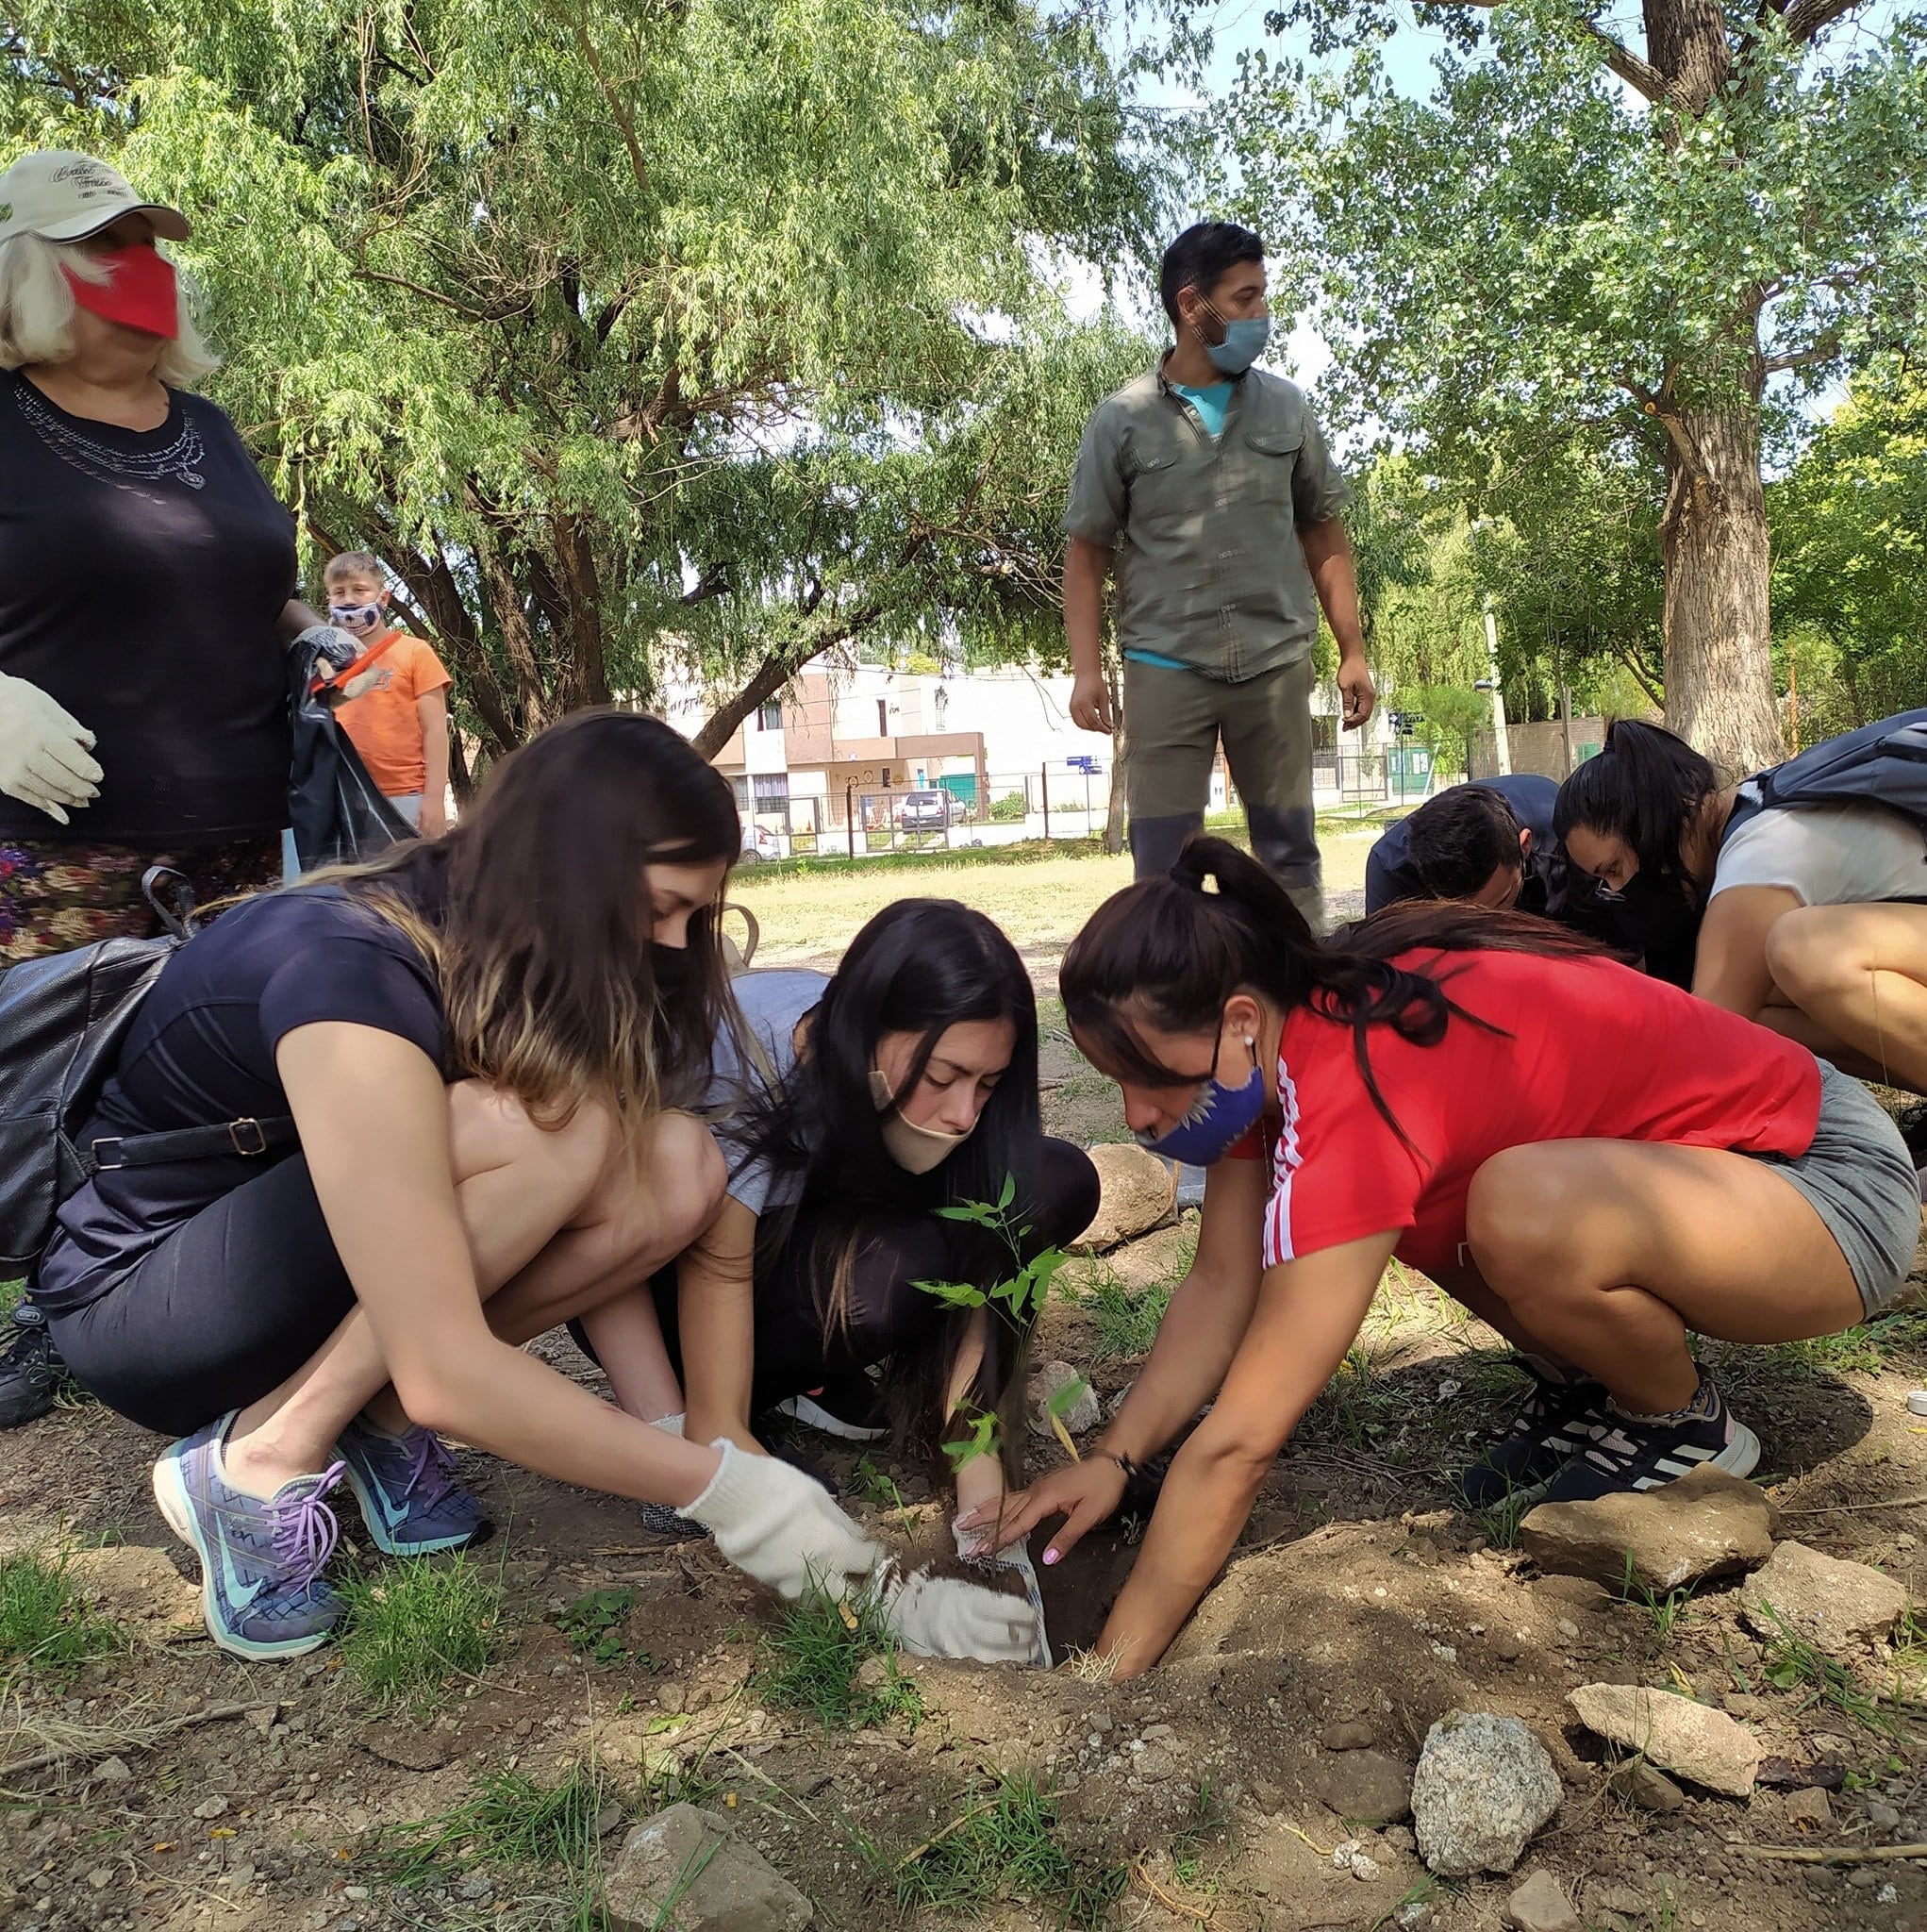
x: 1216, y: 1120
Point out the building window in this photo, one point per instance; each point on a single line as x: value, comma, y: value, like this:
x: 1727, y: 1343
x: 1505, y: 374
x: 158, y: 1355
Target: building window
x: 772, y: 791
x: 881, y: 719
x: 770, y: 716
x: 741, y: 787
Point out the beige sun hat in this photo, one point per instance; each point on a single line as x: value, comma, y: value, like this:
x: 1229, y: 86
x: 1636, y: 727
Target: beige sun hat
x: 67, y: 197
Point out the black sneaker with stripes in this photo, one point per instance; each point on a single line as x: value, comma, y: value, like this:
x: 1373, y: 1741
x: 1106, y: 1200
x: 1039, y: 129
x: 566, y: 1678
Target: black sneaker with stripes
x: 1555, y: 1423
x: 1647, y: 1453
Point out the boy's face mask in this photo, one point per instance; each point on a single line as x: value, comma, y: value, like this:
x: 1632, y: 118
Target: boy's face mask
x: 358, y: 618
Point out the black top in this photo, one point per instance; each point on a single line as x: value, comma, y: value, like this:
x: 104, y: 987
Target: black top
x: 142, y: 572
x: 200, y: 1051
x: 1390, y: 875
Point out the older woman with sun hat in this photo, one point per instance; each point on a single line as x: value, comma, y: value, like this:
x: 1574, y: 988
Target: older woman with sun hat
x: 146, y: 574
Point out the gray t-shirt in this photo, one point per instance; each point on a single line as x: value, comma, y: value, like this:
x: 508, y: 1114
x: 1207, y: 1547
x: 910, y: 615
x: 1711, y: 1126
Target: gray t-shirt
x: 1847, y: 855
x: 773, y: 1003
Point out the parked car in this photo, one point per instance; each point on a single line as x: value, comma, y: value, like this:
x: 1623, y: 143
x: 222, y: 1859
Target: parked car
x: 927, y: 811
x: 759, y: 841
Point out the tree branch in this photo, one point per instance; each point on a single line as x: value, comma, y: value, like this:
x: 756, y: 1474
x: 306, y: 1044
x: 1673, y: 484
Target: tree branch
x: 1811, y: 17
x: 1641, y: 76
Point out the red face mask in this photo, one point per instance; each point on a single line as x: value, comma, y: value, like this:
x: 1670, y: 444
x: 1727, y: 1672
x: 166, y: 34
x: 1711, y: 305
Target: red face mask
x: 142, y: 293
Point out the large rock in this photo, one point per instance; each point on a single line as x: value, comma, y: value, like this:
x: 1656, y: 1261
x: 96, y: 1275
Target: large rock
x: 1139, y: 1192
x: 1834, y: 1606
x: 1674, y: 1733
x: 1708, y: 1523
x: 1365, y: 1786
x: 1541, y: 1904
x: 1048, y: 1382
x: 1484, y: 1786
x: 686, y: 1868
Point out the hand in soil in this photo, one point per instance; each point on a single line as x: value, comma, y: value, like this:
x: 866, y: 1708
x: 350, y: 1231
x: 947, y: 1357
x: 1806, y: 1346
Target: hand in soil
x: 1083, y: 1493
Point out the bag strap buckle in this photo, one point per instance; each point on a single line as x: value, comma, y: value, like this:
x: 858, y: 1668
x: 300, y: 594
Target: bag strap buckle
x: 246, y: 1137
x: 104, y: 1162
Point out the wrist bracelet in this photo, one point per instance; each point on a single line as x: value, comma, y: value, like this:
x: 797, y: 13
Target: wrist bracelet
x: 1123, y: 1462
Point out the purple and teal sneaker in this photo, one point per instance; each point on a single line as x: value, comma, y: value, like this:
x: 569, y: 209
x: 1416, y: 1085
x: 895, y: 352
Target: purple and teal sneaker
x: 261, y: 1587
x: 406, y: 1485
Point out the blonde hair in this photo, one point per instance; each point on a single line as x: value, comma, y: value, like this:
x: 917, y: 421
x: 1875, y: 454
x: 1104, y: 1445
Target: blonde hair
x: 37, y: 310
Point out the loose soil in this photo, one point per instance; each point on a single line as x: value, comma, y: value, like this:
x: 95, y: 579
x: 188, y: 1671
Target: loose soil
x: 1358, y: 1608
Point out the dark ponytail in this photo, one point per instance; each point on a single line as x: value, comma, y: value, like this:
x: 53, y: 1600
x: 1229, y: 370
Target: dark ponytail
x: 1646, y: 788
x: 1177, y: 948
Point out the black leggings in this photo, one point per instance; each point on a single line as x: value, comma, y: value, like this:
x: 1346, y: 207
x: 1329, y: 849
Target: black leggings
x: 796, y: 1350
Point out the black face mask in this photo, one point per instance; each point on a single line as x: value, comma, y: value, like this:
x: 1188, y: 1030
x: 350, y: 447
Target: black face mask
x: 671, y: 966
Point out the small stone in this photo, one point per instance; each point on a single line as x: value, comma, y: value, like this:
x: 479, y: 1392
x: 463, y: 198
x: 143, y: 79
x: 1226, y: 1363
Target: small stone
x: 1371, y: 1787
x: 1706, y: 1524
x: 1366, y: 1867
x: 1484, y: 1785
x: 1809, y: 1807
x: 1887, y: 1896
x: 100, y: 1878
x: 112, y: 1770
x: 1507, y: 1647
x: 687, y: 1866
x: 1835, y: 1606
x: 1673, y: 1732
x: 475, y: 1887
x: 211, y: 1808
x: 1639, y: 1784
x: 1541, y: 1904
x: 1153, y: 1764
x: 237, y: 1877
x: 1399, y: 1838
x: 1863, y: 1878
x: 1882, y: 1816
x: 1416, y: 1915
x: 1568, y: 1628
x: 1079, y: 1413
x: 357, y: 1893
x: 1350, y: 1736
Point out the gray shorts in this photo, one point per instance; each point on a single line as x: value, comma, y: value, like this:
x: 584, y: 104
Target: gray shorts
x: 1860, y: 1178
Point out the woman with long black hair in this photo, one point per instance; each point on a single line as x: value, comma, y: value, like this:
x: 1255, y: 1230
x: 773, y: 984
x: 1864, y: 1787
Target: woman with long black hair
x: 486, y: 1048
x: 900, y: 1087
x: 1808, y: 918
x: 1592, y: 1162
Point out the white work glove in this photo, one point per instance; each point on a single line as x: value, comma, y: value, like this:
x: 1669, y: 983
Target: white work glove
x: 1016, y: 1557
x: 782, y: 1526
x: 43, y: 751
x: 334, y: 650
x: 945, y: 1616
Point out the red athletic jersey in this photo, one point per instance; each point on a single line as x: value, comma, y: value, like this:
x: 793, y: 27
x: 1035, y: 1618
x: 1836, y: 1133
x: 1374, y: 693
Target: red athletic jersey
x: 1590, y: 1050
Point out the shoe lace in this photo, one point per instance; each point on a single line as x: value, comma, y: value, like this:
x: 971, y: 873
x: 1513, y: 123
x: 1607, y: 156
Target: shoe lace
x: 305, y: 1530
x: 431, y: 1467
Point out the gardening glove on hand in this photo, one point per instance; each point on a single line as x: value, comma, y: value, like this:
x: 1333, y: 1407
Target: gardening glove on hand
x: 782, y: 1526
x: 43, y: 752
x: 944, y: 1616
x: 331, y: 650
x: 1017, y: 1559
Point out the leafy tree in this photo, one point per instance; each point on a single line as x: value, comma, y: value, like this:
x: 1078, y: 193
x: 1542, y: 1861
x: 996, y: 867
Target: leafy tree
x: 636, y: 337
x: 1849, y: 578
x: 1619, y: 239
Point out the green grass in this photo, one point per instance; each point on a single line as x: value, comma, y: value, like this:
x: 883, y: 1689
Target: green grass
x: 933, y: 855
x: 1125, y: 1319
x: 1665, y: 1611
x: 1789, y: 1662
x: 813, y: 1658
x: 1899, y: 1338
x: 513, y: 1821
x: 1002, y: 1845
x: 48, y: 1627
x: 10, y: 1295
x: 412, y: 1629
x: 595, y: 1625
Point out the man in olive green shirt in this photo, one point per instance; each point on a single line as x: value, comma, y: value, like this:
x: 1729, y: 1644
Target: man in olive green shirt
x: 1206, y: 484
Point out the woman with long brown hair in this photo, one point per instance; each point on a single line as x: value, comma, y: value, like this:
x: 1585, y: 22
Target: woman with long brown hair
x: 482, y: 1047
x: 1592, y: 1162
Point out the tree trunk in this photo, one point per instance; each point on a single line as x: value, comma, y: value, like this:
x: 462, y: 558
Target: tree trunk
x: 1120, y: 750
x: 1718, y: 623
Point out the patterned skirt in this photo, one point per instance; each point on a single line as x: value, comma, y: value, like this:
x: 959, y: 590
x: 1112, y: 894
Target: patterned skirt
x: 55, y: 897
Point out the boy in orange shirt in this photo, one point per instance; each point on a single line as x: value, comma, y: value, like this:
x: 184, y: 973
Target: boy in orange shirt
x: 398, y: 721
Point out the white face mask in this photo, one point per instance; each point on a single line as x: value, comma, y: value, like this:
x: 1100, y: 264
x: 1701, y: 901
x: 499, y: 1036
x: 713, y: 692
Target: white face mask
x: 914, y: 1149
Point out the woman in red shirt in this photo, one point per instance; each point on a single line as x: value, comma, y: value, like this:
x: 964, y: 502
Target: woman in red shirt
x: 1593, y: 1163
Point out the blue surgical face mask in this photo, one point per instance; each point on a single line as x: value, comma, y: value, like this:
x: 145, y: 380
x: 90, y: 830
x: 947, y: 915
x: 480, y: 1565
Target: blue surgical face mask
x: 357, y: 618
x: 1216, y: 1120
x: 1244, y: 342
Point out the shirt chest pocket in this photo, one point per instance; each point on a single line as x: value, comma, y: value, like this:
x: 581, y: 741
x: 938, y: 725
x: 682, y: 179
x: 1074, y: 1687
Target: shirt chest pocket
x: 1159, y: 498
x: 1267, y: 455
